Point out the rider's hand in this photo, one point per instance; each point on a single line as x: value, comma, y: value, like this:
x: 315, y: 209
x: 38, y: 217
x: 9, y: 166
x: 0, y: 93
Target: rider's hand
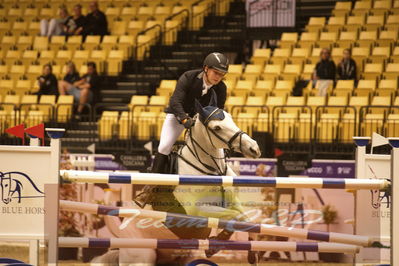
x: 188, y: 122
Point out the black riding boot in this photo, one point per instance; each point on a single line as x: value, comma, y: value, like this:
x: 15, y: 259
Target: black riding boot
x: 160, y: 166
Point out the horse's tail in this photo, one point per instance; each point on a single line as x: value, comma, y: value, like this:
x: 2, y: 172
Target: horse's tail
x: 111, y: 258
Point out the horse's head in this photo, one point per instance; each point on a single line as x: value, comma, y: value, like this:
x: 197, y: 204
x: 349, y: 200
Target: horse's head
x: 5, y: 184
x: 223, y: 132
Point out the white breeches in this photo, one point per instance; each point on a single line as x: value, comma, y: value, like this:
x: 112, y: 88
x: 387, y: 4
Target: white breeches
x: 171, y: 130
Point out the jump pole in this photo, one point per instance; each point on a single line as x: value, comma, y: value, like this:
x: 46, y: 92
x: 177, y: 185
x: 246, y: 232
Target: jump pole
x: 240, y: 181
x: 199, y: 244
x: 210, y: 222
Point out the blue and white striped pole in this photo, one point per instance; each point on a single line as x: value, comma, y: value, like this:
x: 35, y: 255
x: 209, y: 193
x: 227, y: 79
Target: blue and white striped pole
x: 200, y: 244
x: 239, y: 181
x: 172, y: 219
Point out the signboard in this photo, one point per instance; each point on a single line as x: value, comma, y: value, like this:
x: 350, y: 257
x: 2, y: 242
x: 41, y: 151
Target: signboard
x: 270, y: 13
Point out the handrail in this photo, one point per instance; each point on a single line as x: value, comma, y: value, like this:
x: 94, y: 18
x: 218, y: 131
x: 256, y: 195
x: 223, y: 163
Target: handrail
x: 159, y: 36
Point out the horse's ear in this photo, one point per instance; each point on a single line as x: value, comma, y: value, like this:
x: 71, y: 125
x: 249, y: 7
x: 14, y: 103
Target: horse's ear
x: 214, y: 99
x: 199, y: 109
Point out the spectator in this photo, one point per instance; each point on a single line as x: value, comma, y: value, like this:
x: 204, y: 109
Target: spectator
x: 324, y: 74
x: 347, y: 67
x: 70, y: 78
x: 96, y: 21
x: 83, y: 89
x: 79, y: 19
x: 48, y: 83
x: 57, y: 26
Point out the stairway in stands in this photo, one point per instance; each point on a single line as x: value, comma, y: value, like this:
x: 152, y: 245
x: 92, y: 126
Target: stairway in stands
x: 169, y: 62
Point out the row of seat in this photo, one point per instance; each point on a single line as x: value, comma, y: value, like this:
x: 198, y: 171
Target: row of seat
x: 362, y: 7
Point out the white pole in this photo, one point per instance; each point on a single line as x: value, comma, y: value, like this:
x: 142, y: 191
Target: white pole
x: 395, y: 201
x: 34, y: 252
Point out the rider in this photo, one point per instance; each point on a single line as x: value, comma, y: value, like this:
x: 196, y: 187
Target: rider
x: 193, y: 84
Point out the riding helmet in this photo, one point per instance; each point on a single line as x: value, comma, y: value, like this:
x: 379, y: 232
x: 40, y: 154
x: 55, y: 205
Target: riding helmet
x: 217, y: 61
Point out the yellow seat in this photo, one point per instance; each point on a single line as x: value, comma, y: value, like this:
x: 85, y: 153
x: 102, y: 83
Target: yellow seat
x: 395, y: 55
x: 12, y: 56
x: 315, y: 101
x: 34, y: 118
x: 138, y: 104
x: 392, y: 126
x: 365, y: 87
x: 372, y: 71
x: 359, y: 54
x: 19, y: 26
x: 99, y: 57
x: 347, y: 38
x: 166, y: 87
x: 74, y: 42
x: 10, y: 103
x: 254, y: 104
x: 367, y: 38
x: 162, y: 12
x: 46, y: 105
x: 381, y: 7
x: 246, y: 122
x: 262, y: 122
x: 342, y: 8
x: 128, y: 13
x: 124, y: 126
x: 274, y: 101
x: 27, y: 102
x: 291, y: 71
x: 17, y: 71
x: 299, y: 55
x: 235, y: 71
x: 243, y: 87
x: 109, y: 42
x: 308, y: 39
x: 112, y: 12
x: 327, y: 127
x: 126, y: 44
x: 387, y: 87
x: 263, y: 87
x: 286, y: 85
x: 145, y: 12
x: 146, y: 126
x: 380, y: 54
x: 380, y: 105
x: 387, y: 38
x: 272, y: 71
x: 57, y: 42
x: 345, y: 87
x: 24, y: 42
x: 354, y: 23
x: 234, y: 104
x: 361, y: 7
x: 392, y: 22
x: 23, y: 85
x: 315, y: 56
x: 374, y: 22
x: 91, y: 42
x: 307, y: 72
x: 391, y: 71
x: 80, y: 57
x: 33, y: 72
x: 294, y: 104
x: 284, y: 127
x: 40, y: 43
x: 29, y: 56
x: 336, y: 104
x: 135, y: 26
x: 63, y: 56
x: 114, y: 62
x: 157, y: 103
x: 316, y: 23
x: 280, y: 55
x: 107, y: 124
x: 64, y: 108
x: 371, y: 123
x: 335, y: 24
x: 252, y: 72
x: 288, y: 39
x: 357, y: 102
x: 260, y: 56
x: 327, y: 39
x: 119, y: 27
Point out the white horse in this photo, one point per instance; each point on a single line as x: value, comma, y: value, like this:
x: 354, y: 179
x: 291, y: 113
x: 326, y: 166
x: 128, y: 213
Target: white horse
x: 202, y: 154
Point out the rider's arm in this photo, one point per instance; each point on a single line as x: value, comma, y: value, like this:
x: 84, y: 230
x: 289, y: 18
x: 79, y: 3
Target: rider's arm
x: 221, y: 95
x: 178, y: 97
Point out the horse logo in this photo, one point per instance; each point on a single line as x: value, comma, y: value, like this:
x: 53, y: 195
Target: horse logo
x: 378, y: 196
x: 11, y: 186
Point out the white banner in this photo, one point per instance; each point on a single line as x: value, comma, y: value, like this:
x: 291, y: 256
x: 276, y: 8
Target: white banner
x: 270, y: 13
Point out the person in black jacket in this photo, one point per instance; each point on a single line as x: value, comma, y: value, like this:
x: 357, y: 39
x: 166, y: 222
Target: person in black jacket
x: 70, y: 78
x: 347, y: 67
x: 325, y: 68
x: 96, y: 21
x: 193, y: 84
x: 48, y: 83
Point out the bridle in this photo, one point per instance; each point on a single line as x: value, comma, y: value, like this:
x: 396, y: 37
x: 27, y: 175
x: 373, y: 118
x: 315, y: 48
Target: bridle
x: 195, y: 144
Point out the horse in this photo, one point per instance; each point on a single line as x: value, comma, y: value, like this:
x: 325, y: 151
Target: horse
x: 202, y: 154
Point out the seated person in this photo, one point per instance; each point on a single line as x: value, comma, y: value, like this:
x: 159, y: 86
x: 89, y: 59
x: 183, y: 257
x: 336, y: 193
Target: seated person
x: 79, y: 19
x: 48, y: 83
x: 70, y: 78
x: 96, y: 21
x: 347, y: 67
x: 57, y: 26
x: 324, y: 72
x: 82, y: 89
